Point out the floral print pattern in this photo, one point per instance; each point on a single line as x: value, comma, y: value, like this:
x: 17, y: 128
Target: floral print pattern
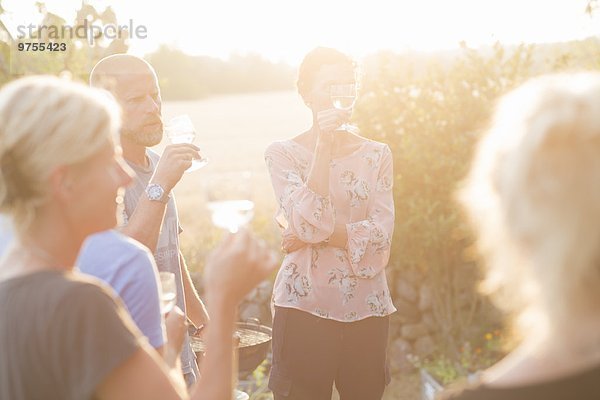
x: 366, y: 272
x: 373, y: 157
x: 340, y: 283
x: 321, y: 313
x: 344, y: 281
x: 384, y: 184
x: 296, y: 285
x: 377, y: 304
x: 350, y: 316
x: 358, y: 190
x: 314, y: 257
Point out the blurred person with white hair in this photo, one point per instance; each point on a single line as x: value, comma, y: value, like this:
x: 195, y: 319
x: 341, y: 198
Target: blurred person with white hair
x: 533, y: 195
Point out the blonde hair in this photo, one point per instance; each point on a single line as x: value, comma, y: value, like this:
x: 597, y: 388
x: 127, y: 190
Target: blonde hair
x: 533, y: 195
x: 46, y: 122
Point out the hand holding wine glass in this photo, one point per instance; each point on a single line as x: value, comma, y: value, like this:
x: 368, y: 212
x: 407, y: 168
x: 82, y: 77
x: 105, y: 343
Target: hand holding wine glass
x: 230, y: 199
x: 343, y: 97
x: 176, y: 332
x: 180, y: 129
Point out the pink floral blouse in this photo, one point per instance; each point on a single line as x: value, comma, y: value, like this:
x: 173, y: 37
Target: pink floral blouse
x: 343, y: 284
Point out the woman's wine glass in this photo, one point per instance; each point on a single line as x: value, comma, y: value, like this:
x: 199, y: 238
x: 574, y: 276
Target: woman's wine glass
x: 230, y: 199
x: 180, y: 129
x: 343, y: 97
x: 168, y: 292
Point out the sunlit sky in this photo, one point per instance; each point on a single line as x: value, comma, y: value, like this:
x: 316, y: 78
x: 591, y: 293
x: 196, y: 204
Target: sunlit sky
x: 284, y: 30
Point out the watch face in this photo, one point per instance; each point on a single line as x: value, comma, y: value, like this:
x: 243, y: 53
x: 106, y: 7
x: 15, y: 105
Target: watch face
x: 155, y: 192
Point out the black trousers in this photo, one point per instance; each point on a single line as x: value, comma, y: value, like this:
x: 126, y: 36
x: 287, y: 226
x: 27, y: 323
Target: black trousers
x: 310, y: 354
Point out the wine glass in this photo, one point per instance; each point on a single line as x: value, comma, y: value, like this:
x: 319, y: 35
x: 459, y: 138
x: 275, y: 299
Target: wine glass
x: 168, y: 292
x: 343, y: 97
x: 181, y: 130
x: 230, y: 199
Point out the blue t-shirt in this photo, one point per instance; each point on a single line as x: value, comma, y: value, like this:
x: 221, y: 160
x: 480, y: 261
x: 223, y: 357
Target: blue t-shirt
x: 129, y: 268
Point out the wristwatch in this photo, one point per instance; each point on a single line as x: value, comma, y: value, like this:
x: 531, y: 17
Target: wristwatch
x: 155, y: 192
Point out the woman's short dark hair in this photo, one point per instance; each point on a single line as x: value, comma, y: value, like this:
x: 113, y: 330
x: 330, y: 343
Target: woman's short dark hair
x: 313, y: 62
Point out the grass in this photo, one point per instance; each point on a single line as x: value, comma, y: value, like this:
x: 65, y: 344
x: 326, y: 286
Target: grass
x: 402, y: 387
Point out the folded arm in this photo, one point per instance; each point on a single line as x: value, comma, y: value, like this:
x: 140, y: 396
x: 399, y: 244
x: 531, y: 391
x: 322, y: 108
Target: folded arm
x: 368, y: 241
x: 307, y: 214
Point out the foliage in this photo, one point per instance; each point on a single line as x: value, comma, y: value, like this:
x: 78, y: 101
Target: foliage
x: 431, y: 110
x: 591, y: 7
x: 185, y: 77
x: 80, y: 54
x: 182, y: 76
x: 472, y: 358
x: 260, y: 379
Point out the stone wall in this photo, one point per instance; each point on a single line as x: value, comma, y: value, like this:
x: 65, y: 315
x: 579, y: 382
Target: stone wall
x: 413, y: 326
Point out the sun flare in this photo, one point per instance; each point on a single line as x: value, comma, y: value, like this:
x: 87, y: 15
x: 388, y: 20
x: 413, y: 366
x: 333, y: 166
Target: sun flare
x: 285, y: 31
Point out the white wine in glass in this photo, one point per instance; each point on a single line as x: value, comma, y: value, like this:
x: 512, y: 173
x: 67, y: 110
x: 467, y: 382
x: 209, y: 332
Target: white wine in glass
x: 230, y: 200
x: 168, y: 292
x: 181, y: 130
x: 231, y: 214
x: 343, y: 97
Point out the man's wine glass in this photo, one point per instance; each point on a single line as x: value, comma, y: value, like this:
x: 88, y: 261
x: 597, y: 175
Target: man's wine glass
x: 230, y: 199
x: 343, y: 97
x: 181, y: 130
x: 168, y: 292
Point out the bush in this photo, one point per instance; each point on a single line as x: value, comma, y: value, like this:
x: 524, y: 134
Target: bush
x: 430, y: 110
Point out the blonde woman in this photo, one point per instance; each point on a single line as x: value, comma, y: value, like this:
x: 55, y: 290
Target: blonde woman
x: 534, y: 196
x: 64, y: 336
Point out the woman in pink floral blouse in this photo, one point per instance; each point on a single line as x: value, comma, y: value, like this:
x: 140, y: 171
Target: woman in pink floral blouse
x: 336, y: 209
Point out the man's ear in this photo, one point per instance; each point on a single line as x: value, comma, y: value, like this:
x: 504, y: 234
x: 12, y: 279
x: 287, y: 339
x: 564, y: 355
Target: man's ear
x: 61, y: 182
